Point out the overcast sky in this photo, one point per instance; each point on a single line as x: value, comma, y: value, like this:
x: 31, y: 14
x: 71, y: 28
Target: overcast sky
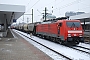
x: 59, y: 7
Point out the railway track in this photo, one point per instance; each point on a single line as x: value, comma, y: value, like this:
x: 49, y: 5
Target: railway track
x: 75, y: 48
x: 83, y: 47
x: 48, y: 48
x: 60, y: 52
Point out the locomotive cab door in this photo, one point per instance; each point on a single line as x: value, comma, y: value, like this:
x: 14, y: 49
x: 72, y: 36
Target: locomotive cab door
x: 59, y: 25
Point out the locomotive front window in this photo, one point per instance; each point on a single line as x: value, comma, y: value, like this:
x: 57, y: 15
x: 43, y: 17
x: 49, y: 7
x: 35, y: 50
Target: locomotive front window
x: 73, y: 24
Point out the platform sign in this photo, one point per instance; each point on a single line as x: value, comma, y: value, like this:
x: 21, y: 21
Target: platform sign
x: 14, y: 20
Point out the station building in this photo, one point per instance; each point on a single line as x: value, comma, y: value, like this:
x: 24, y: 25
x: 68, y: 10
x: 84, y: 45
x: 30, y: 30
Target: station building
x: 8, y: 15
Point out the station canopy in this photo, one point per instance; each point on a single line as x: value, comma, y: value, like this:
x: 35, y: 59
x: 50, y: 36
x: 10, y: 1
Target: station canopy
x: 11, y: 12
x: 82, y: 17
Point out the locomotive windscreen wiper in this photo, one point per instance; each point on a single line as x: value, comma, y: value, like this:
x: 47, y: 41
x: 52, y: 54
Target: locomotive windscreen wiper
x: 73, y: 25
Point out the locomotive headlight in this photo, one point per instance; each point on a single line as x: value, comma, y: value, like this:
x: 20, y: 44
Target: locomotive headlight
x: 80, y: 35
x: 69, y: 35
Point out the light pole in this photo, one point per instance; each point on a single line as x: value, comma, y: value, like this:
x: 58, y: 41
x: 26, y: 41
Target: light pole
x: 29, y: 14
x: 27, y: 19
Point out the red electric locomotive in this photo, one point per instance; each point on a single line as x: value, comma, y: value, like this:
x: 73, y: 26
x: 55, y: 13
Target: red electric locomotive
x: 62, y: 31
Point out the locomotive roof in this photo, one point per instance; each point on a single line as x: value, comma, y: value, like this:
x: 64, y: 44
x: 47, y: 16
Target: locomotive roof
x: 58, y: 21
x: 67, y: 20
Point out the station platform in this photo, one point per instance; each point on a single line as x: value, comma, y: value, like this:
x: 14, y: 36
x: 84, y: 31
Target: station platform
x: 17, y: 48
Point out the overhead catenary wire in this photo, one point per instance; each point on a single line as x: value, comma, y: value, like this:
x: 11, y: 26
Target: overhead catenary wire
x: 52, y: 2
x: 59, y: 2
x: 28, y: 3
x: 49, y: 3
x: 69, y: 4
x: 88, y: 7
x: 33, y: 5
x: 84, y: 4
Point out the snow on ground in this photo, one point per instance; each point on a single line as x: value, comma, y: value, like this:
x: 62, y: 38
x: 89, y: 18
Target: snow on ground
x: 82, y: 49
x: 74, y: 54
x: 53, y: 55
x: 84, y: 45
